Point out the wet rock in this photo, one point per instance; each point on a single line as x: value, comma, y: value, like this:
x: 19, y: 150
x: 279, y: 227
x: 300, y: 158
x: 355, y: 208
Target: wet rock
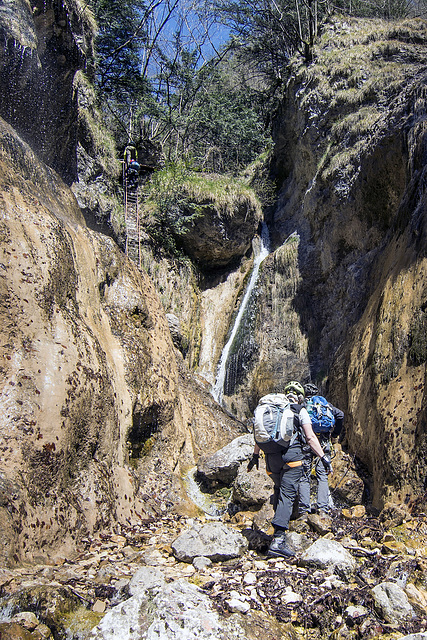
x: 26, y: 619
x: 51, y: 603
x: 213, y: 540
x: 392, y: 602
x: 175, y: 329
x: 32, y: 81
x: 224, y: 464
x: 329, y: 554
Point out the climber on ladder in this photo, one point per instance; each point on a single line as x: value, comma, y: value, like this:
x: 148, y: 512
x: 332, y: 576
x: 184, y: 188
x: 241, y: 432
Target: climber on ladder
x: 132, y: 173
x: 131, y: 167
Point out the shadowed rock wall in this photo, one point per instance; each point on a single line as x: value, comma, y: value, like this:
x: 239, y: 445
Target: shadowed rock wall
x: 351, y: 162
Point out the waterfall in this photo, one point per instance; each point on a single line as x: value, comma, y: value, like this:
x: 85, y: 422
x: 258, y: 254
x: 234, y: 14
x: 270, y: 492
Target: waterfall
x: 260, y: 254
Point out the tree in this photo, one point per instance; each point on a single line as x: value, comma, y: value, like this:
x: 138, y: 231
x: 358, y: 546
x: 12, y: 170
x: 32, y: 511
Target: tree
x: 162, y: 77
x: 271, y: 30
x: 121, y: 37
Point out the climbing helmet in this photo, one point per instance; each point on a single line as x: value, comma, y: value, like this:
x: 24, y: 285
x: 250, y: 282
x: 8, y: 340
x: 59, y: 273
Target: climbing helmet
x: 294, y: 387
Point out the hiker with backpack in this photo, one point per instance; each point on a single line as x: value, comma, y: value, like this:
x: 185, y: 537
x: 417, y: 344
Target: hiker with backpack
x: 132, y: 173
x: 327, y: 422
x: 282, y: 430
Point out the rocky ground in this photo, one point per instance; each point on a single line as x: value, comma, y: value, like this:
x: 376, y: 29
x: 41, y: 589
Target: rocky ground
x: 303, y: 599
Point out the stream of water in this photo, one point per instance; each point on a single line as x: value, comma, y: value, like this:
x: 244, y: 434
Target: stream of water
x: 261, y: 253
x: 204, y: 501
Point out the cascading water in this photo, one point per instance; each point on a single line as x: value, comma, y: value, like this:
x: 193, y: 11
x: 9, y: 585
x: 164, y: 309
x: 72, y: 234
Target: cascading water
x: 207, y: 503
x: 260, y: 255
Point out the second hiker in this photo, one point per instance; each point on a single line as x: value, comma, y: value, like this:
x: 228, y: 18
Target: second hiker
x: 327, y: 422
x: 282, y: 429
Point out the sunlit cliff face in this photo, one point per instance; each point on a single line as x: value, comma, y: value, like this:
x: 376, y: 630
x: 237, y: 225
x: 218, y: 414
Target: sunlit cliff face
x: 80, y: 329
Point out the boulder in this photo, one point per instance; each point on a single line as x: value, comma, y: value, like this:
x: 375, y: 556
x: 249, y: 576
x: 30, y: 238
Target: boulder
x: 181, y: 611
x: 213, y: 540
x: 217, y: 238
x: 252, y: 488
x: 224, y: 464
x: 331, y: 555
x: 392, y: 603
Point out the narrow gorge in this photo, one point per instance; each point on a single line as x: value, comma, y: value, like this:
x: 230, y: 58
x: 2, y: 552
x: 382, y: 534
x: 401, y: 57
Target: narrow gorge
x: 123, y: 371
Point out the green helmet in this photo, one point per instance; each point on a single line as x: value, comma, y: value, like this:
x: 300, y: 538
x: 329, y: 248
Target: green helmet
x: 294, y: 387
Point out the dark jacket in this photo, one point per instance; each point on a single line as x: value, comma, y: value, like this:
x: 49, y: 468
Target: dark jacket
x: 339, y: 421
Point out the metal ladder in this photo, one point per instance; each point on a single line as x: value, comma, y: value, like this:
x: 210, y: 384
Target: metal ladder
x: 132, y: 216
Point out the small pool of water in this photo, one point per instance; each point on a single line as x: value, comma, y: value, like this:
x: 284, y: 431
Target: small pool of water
x: 213, y: 505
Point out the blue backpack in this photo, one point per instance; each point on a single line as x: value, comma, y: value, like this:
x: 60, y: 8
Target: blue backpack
x: 322, y: 419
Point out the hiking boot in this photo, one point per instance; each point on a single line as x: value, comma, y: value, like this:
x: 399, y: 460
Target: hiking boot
x: 278, y: 547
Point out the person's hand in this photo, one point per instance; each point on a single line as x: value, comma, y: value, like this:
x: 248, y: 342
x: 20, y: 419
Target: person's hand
x: 254, y: 461
x: 327, y: 463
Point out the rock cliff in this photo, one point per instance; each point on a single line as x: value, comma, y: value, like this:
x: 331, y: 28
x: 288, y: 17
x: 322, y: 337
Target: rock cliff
x: 350, y: 159
x: 44, y: 45
x: 91, y: 382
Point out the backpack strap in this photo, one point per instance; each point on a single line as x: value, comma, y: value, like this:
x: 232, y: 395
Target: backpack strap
x: 278, y: 421
x: 298, y: 432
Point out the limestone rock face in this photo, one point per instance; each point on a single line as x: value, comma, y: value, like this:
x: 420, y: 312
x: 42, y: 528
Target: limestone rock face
x: 216, y: 239
x: 38, y: 60
x: 89, y: 372
x: 69, y: 301
x: 352, y: 175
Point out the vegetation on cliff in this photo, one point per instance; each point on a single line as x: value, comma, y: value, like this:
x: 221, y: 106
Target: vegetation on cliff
x: 175, y: 198
x: 360, y: 68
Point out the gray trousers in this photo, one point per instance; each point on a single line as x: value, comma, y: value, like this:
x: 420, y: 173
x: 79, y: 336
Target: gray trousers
x: 322, y: 482
x: 286, y: 481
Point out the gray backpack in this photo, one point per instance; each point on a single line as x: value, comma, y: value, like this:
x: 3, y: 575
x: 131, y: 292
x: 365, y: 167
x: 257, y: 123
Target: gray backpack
x: 274, y: 423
